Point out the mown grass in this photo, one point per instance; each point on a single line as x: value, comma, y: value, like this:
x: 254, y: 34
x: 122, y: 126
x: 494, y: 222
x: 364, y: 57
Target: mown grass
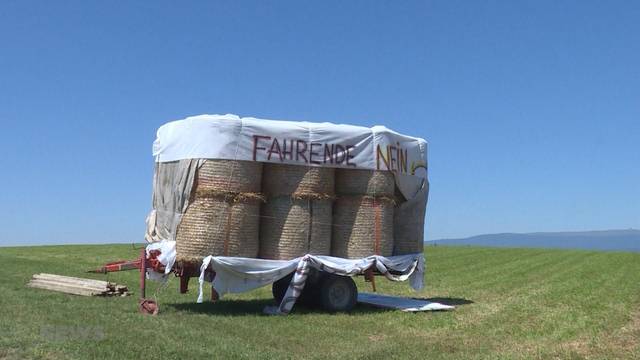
x: 515, y: 303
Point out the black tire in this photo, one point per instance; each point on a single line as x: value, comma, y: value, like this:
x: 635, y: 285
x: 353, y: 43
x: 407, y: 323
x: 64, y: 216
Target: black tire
x: 338, y: 293
x: 279, y: 288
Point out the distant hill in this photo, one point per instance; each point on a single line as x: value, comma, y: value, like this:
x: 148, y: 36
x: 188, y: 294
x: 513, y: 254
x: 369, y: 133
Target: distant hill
x: 618, y: 240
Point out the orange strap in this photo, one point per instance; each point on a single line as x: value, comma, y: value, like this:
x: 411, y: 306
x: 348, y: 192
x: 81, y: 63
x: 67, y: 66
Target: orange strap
x: 376, y: 208
x: 226, y: 233
x: 310, y: 233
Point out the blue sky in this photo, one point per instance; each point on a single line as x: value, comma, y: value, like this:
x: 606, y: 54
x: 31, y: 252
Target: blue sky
x: 531, y: 108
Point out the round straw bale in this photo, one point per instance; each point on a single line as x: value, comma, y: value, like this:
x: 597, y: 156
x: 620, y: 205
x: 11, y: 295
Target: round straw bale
x: 216, y: 225
x: 282, y: 179
x: 358, y: 223
x: 364, y: 182
x: 230, y: 175
x: 292, y: 227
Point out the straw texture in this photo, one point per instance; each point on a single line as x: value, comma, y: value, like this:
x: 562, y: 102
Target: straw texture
x: 292, y: 227
x: 280, y: 179
x: 218, y: 226
x: 364, y: 182
x: 230, y: 175
x: 360, y: 221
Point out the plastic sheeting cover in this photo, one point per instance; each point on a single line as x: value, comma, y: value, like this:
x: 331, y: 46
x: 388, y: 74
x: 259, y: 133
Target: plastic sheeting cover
x: 296, y: 143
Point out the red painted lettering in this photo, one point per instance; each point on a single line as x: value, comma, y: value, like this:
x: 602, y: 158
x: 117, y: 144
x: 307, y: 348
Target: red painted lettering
x: 300, y: 153
x: 380, y: 154
x: 255, y: 144
x: 339, y: 151
x: 392, y: 156
x: 312, y: 153
x: 284, y: 149
x: 403, y: 161
x: 328, y: 153
x: 349, y: 156
x: 274, y: 145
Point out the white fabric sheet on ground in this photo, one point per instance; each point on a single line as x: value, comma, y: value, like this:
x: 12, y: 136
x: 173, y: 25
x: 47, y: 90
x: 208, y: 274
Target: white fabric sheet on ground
x: 400, y: 303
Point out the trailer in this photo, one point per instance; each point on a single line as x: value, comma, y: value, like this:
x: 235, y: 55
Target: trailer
x: 314, y: 277
x: 315, y: 281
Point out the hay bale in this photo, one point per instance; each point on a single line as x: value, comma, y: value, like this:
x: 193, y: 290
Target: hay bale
x: 292, y: 227
x: 358, y: 223
x: 364, y: 182
x: 225, y: 225
x: 281, y: 179
x: 230, y: 175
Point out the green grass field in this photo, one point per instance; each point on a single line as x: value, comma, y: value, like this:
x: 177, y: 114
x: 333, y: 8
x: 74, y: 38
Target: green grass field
x: 515, y: 303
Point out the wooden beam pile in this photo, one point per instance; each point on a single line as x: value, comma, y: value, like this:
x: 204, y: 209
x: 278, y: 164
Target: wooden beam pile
x: 77, y: 286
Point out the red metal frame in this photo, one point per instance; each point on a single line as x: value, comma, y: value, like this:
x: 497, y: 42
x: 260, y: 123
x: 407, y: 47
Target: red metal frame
x: 184, y: 271
x: 122, y: 265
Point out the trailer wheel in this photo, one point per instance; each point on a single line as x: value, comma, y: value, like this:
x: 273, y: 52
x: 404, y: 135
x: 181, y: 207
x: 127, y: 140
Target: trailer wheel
x: 279, y: 288
x: 338, y: 293
x: 309, y: 294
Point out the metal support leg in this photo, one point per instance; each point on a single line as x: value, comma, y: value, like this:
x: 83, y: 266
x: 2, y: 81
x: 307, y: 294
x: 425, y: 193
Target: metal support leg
x: 184, y: 284
x: 370, y: 277
x: 214, y: 295
x: 145, y: 306
x: 143, y: 273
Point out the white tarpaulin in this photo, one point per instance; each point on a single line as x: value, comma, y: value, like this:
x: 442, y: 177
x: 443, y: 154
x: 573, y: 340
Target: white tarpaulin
x: 182, y: 146
x: 296, y: 143
x: 244, y: 274
x: 235, y: 275
x: 401, y: 303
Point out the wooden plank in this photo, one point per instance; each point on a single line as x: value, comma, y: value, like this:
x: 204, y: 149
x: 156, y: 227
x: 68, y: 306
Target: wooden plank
x: 75, y: 285
x: 70, y: 279
x: 79, y: 286
x: 63, y: 289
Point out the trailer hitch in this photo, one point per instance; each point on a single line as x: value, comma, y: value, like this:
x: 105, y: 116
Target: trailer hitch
x: 145, y: 306
x: 123, y: 265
